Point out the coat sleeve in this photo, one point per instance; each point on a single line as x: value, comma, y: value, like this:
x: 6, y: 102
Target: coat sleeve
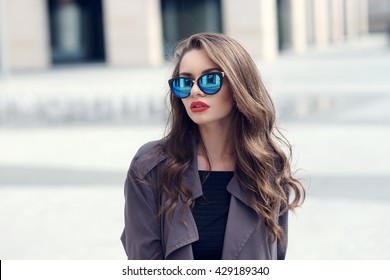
x: 283, y: 222
x: 141, y: 237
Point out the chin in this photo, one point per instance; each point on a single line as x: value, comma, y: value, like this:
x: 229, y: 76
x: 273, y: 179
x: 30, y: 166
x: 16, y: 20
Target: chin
x: 199, y: 121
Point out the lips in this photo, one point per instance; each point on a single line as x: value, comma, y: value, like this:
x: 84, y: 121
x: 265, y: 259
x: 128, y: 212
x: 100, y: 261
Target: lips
x: 198, y: 106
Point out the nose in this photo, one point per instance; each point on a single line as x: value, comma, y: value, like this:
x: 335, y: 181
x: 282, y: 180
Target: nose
x: 195, y: 90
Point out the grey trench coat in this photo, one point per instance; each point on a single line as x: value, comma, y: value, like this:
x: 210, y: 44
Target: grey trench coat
x: 146, y: 237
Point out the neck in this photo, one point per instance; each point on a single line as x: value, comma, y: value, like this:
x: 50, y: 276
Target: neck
x: 218, y: 149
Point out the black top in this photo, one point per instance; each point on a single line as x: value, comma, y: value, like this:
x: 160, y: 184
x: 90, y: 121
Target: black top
x: 210, y: 212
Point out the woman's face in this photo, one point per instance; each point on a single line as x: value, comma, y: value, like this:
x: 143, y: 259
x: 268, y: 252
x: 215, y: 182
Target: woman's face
x: 202, y: 108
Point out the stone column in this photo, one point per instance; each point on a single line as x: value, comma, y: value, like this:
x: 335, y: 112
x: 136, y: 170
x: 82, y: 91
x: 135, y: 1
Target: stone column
x: 133, y: 32
x: 252, y: 23
x: 3, y: 51
x: 337, y: 18
x: 363, y: 17
x: 298, y: 25
x: 352, y: 16
x: 321, y: 23
x: 26, y: 39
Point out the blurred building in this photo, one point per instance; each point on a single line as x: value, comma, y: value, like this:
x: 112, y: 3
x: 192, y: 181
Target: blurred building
x: 38, y: 34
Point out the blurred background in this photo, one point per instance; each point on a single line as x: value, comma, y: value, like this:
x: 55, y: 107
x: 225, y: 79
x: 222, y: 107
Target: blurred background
x: 83, y: 85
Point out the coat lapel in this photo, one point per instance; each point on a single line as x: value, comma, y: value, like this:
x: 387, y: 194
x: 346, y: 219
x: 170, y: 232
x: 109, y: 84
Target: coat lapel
x: 177, y: 233
x: 241, y: 223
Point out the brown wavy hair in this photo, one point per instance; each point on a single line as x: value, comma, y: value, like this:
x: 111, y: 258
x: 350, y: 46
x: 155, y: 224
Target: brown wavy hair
x: 261, y: 166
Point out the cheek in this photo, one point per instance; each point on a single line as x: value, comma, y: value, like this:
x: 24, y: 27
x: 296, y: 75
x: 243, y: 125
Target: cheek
x: 228, y: 106
x: 228, y: 99
x: 184, y: 103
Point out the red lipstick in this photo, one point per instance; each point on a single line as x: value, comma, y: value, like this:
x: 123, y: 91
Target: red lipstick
x: 198, y: 106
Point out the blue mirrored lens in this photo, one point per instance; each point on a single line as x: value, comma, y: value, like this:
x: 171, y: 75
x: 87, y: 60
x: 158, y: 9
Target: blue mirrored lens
x: 181, y: 87
x: 210, y: 83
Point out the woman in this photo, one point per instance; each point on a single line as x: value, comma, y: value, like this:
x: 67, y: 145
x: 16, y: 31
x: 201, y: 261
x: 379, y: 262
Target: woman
x: 217, y: 186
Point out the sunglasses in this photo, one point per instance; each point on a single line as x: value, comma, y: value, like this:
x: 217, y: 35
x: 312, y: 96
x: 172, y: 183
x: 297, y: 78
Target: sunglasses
x: 209, y: 83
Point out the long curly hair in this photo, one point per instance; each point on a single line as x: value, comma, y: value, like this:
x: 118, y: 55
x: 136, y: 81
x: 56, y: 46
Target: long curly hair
x: 261, y: 166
